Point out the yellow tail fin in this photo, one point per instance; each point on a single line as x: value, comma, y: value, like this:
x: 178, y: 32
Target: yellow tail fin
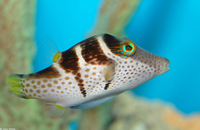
x: 16, y: 84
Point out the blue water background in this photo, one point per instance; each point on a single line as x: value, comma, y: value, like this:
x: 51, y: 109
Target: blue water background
x: 169, y: 28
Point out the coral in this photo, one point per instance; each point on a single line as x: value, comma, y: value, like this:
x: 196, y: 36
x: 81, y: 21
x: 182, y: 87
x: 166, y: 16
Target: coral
x: 179, y: 121
x: 114, y: 15
x: 130, y: 112
x: 17, y: 52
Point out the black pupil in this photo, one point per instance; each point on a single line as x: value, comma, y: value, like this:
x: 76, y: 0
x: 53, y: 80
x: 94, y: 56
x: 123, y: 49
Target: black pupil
x: 128, y: 48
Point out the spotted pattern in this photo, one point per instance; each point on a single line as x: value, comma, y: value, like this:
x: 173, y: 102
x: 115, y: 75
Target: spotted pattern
x: 77, y: 78
x: 49, y: 72
x: 50, y: 87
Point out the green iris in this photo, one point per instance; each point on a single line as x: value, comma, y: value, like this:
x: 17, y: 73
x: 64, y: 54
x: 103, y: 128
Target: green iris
x: 128, y: 48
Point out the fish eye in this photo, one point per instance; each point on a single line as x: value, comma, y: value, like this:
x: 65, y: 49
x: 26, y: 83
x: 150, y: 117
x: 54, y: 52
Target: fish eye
x: 128, y: 48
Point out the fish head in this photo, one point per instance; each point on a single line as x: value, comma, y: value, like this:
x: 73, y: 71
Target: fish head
x: 134, y: 65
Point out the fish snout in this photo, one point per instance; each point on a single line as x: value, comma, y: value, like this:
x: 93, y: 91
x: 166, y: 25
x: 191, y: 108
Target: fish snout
x: 152, y: 64
x: 164, y: 67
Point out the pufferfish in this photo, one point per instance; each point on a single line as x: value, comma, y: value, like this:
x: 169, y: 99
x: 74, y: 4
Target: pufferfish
x: 89, y: 73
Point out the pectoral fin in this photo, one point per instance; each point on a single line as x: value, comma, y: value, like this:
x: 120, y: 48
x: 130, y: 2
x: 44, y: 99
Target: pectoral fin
x: 109, y: 73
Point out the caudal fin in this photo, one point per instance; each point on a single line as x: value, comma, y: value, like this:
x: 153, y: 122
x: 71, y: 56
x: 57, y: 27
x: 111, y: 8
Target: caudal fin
x: 16, y: 84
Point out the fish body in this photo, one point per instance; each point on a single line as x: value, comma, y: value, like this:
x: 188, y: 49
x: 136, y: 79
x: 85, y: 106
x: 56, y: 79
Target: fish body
x: 90, y: 73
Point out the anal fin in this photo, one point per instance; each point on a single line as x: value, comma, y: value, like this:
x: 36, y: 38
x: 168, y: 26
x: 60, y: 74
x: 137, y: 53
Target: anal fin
x: 54, y: 110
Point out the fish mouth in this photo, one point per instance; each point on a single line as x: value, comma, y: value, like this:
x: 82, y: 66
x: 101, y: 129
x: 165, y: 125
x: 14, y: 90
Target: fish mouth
x: 167, y: 63
x: 165, y: 67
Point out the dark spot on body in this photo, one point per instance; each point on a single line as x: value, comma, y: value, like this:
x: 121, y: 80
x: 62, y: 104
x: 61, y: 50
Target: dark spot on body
x: 106, y: 86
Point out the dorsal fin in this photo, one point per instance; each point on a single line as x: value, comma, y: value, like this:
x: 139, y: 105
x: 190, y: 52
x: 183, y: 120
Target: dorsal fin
x: 49, y: 51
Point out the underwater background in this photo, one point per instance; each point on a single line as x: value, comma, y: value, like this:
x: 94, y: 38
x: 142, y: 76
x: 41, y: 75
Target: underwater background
x: 167, y: 28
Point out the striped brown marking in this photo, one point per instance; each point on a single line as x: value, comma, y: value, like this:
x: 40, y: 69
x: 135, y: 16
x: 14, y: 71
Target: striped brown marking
x: 69, y: 61
x: 113, y: 43
x: 92, y: 52
x: 111, y: 40
x: 49, y: 72
x: 80, y: 84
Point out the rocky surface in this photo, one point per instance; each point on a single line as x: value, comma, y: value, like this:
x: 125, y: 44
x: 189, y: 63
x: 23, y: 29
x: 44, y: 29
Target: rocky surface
x: 17, y: 50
